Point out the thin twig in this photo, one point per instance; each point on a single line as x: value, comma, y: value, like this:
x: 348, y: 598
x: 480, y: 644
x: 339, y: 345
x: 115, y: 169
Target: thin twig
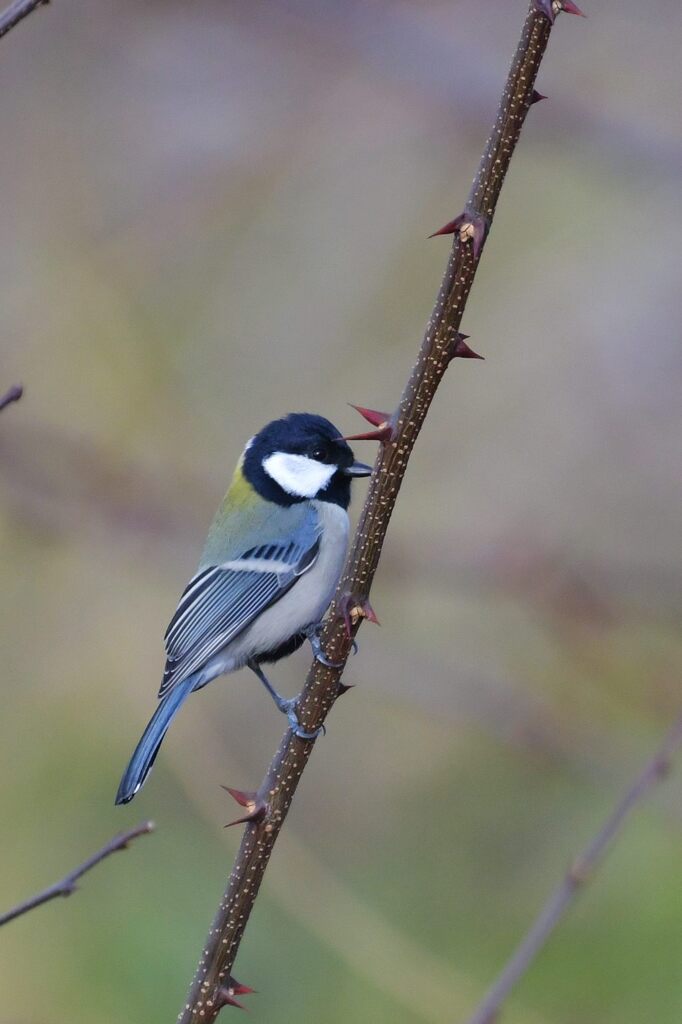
x: 67, y: 885
x: 17, y: 11
x: 579, y: 873
x: 212, y: 986
x: 13, y: 395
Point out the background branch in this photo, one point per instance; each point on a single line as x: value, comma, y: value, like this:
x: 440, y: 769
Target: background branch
x: 578, y: 874
x: 67, y: 885
x: 13, y: 395
x: 16, y: 12
x: 213, y: 987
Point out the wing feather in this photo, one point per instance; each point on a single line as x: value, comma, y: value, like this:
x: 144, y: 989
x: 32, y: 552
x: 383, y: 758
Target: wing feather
x: 222, y: 600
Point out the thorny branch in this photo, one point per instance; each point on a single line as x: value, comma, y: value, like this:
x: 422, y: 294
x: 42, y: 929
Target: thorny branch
x: 13, y: 395
x: 67, y: 885
x: 580, y: 872
x: 213, y: 986
x: 17, y: 11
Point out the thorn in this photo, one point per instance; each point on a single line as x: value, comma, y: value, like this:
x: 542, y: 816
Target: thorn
x: 474, y: 226
x: 381, y: 420
x: 354, y: 608
x: 254, y: 816
x: 224, y: 998
x: 377, y: 419
x: 244, y: 797
x: 384, y: 435
x: 460, y: 350
x: 237, y: 989
x: 536, y: 96
x: 344, y: 688
x: 367, y: 612
x: 449, y: 228
x: 255, y: 806
x: 570, y: 8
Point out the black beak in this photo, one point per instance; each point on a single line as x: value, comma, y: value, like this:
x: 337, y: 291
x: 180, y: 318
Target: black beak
x: 358, y: 469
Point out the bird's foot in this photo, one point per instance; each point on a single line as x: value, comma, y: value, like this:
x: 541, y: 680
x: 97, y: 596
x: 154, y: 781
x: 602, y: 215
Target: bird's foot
x: 288, y: 707
x: 313, y: 635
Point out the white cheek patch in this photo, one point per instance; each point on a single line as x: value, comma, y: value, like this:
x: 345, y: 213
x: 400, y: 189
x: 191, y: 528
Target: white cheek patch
x: 297, y: 474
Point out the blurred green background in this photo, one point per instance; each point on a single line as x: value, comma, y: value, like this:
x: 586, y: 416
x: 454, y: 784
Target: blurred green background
x: 215, y: 213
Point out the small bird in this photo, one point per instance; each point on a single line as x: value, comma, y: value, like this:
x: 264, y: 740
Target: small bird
x: 272, y: 560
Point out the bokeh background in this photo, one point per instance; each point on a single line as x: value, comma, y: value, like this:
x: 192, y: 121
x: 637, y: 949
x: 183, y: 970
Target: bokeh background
x: 216, y: 212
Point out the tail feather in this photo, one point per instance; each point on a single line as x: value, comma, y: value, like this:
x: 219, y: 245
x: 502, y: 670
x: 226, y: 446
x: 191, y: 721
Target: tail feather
x: 148, y: 747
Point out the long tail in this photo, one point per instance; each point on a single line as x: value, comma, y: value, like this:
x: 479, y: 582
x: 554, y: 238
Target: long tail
x: 148, y: 747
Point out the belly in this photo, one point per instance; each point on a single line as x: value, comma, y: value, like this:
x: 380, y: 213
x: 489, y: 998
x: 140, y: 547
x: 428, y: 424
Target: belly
x: 304, y: 604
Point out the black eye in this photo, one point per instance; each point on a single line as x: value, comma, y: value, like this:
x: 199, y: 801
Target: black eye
x: 319, y: 453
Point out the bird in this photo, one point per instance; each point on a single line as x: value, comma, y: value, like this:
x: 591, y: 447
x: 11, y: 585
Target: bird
x: 271, y: 563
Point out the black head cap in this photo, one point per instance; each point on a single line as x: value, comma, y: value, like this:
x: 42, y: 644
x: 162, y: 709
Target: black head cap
x: 300, y: 457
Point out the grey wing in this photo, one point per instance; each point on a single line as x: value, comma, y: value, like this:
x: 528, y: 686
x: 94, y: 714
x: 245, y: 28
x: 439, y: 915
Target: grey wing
x: 222, y: 600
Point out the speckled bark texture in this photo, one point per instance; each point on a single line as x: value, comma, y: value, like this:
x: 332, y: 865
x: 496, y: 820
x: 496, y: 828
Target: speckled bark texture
x: 213, y: 987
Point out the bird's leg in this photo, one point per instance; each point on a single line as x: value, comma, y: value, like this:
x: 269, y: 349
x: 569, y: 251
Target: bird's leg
x: 285, y: 705
x: 313, y: 635
x: 282, y: 703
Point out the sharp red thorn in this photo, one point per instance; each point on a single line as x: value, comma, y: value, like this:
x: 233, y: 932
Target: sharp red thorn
x: 225, y: 999
x: 354, y: 608
x: 243, y: 797
x: 447, y: 229
x: 238, y: 989
x: 384, y: 434
x: 344, y: 688
x: 536, y: 97
x: 369, y: 612
x: 473, y: 226
x: 373, y: 416
x: 254, y: 804
x: 256, y: 815
x: 570, y: 8
x: 380, y: 420
x: 461, y: 350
